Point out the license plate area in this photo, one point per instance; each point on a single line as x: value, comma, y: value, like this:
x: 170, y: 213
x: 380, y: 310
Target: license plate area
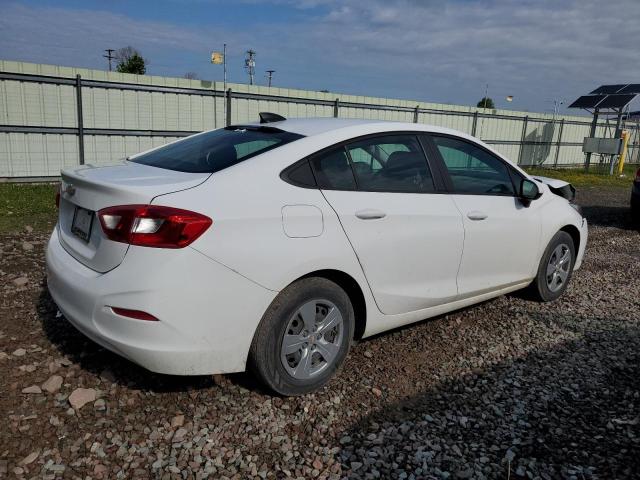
x: 82, y: 223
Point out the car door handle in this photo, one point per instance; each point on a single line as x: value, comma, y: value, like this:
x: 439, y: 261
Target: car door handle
x: 476, y: 215
x: 370, y: 214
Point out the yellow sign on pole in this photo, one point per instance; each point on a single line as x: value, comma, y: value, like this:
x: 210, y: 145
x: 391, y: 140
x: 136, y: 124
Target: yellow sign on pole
x: 217, y: 58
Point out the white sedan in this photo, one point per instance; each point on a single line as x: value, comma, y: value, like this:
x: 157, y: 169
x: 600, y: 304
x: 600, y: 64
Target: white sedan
x: 274, y: 245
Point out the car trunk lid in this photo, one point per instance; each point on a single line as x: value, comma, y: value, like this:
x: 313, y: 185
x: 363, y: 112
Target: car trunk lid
x: 86, y: 190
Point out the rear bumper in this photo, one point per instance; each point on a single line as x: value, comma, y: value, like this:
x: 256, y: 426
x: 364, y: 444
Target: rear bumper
x: 207, y: 313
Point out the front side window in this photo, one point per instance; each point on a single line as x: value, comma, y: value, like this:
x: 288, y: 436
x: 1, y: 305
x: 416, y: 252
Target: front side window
x: 216, y: 150
x: 473, y: 170
x: 390, y: 163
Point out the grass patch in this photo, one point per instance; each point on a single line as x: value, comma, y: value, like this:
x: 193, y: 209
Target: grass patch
x: 595, y: 177
x: 24, y: 205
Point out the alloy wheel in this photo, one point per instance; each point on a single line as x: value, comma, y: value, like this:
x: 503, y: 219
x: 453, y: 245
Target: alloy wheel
x: 558, y: 267
x: 312, y: 339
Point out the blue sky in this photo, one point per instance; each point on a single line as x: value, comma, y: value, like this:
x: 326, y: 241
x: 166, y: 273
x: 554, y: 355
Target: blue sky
x: 535, y: 50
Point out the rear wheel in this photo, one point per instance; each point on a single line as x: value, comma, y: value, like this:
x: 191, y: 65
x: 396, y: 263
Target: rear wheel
x: 303, y: 338
x: 555, y: 269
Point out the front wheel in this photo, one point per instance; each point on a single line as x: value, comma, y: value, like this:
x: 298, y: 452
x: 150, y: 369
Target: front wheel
x: 303, y: 338
x: 555, y: 269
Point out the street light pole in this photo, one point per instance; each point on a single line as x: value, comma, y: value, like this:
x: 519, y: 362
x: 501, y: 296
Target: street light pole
x: 270, y: 75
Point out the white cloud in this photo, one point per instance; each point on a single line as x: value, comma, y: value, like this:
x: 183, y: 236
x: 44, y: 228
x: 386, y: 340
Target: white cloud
x: 78, y: 37
x: 430, y: 50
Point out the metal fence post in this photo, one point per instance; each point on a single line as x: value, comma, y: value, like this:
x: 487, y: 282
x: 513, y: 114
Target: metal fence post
x: 80, y: 119
x: 336, y: 107
x: 474, y: 126
x: 228, y: 100
x: 415, y: 114
x: 555, y: 162
x: 592, y: 133
x: 522, y: 137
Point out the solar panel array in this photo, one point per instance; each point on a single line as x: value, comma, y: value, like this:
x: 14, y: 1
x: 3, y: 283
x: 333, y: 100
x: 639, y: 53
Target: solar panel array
x: 623, y: 88
x: 616, y: 101
x: 607, y: 89
x: 608, y: 96
x: 588, y: 101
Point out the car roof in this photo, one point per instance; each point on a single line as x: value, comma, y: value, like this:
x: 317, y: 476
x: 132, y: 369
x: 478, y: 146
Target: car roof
x: 316, y: 126
x: 310, y: 127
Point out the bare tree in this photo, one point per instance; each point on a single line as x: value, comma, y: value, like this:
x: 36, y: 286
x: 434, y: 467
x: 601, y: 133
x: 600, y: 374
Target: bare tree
x: 130, y: 61
x: 125, y: 53
x: 191, y: 76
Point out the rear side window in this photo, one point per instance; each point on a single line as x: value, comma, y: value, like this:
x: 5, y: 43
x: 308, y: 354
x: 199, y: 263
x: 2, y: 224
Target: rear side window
x: 216, y: 150
x: 332, y: 170
x: 391, y: 163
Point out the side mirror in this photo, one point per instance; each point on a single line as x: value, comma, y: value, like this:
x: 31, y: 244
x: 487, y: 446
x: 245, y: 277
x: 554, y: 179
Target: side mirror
x: 529, y: 190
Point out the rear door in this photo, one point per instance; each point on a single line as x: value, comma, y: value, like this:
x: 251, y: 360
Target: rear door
x: 501, y: 233
x: 406, y: 233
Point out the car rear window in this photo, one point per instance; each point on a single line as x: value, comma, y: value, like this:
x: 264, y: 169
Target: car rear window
x: 213, y: 151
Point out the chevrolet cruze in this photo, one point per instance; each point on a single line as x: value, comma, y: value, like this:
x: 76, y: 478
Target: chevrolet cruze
x: 274, y: 245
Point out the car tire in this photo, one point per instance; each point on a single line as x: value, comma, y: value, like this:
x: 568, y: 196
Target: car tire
x: 309, y: 320
x: 554, y: 273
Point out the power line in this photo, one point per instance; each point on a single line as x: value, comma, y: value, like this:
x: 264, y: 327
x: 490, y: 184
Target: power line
x: 269, y: 75
x: 250, y: 65
x: 109, y: 56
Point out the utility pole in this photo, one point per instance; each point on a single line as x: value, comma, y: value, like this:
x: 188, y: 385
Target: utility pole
x: 250, y: 65
x: 109, y: 56
x: 269, y: 75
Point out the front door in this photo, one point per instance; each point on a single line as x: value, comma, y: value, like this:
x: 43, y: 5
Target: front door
x: 502, y: 234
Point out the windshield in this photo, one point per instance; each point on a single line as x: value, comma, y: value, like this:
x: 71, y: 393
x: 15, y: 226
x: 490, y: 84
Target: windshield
x: 216, y: 150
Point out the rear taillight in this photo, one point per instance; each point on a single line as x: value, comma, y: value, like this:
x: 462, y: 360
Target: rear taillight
x: 58, y: 188
x: 152, y: 226
x: 637, y: 179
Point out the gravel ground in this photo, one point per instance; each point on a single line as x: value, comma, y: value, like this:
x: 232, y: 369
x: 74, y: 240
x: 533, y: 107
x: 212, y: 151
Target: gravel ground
x: 507, y: 389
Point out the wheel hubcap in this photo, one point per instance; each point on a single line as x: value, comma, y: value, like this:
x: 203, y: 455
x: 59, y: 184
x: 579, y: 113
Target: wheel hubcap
x: 558, y: 267
x: 312, y: 339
